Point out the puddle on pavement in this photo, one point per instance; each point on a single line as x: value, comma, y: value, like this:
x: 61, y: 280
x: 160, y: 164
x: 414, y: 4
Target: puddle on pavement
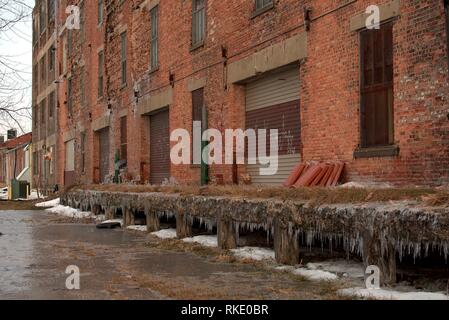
x: 34, y: 253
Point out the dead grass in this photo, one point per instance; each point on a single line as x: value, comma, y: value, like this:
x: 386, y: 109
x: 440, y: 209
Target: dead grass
x: 317, y: 196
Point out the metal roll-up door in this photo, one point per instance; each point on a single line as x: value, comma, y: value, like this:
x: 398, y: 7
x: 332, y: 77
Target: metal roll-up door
x: 104, y: 153
x: 272, y: 102
x: 159, y: 147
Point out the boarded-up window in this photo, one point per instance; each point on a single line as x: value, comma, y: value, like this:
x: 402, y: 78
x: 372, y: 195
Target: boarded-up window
x: 154, y: 37
x: 51, y: 104
x: 83, y: 152
x: 70, y: 155
x: 123, y: 57
x: 198, y: 22
x: 35, y: 164
x: 377, y: 86
x: 123, y: 138
x: 100, y: 73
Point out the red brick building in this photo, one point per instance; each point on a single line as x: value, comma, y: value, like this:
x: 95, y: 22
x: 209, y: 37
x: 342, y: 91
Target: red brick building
x: 137, y: 70
x: 15, y: 159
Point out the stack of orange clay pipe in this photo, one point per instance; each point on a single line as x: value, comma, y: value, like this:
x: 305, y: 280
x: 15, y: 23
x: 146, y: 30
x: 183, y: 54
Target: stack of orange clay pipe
x: 326, y: 174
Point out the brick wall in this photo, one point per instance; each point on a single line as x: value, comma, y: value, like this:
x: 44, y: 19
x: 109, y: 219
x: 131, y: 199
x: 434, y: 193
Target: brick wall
x: 330, y: 99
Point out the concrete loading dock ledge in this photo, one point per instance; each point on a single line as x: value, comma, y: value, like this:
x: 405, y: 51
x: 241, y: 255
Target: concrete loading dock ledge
x: 378, y: 233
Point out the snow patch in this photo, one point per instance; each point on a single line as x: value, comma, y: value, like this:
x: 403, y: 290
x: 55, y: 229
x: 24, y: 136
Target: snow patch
x: 49, y: 204
x: 343, y: 268
x: 207, y: 241
x: 310, y: 274
x: 165, y: 234
x: 138, y: 228
x: 114, y: 221
x: 383, y: 294
x: 254, y: 253
x: 315, y: 275
x: 69, y: 212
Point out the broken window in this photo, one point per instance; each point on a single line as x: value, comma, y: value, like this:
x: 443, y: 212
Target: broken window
x: 83, y: 85
x: 51, y: 59
x: 43, y: 72
x: 377, y: 86
x: 42, y: 16
x: 154, y: 37
x: 198, y: 22
x: 263, y: 4
x: 123, y: 139
x: 100, y: 12
x: 69, y: 95
x: 51, y: 10
x: 69, y: 42
x: 123, y: 57
x: 100, y: 73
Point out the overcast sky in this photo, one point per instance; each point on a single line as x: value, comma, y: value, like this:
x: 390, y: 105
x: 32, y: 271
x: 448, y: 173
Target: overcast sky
x: 16, y: 46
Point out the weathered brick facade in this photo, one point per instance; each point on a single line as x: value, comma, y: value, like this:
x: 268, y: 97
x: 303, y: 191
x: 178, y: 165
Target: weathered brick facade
x: 238, y: 45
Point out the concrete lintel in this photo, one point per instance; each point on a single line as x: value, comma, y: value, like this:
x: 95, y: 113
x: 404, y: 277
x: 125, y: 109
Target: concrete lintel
x: 151, y: 103
x: 69, y: 135
x: 195, y: 84
x: 387, y: 11
x: 275, y: 56
x: 101, y: 123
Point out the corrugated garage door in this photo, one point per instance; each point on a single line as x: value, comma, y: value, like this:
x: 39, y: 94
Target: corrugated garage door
x: 159, y: 147
x: 272, y: 102
x: 104, y: 153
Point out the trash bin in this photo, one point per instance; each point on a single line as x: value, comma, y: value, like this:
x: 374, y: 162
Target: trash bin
x: 19, y: 189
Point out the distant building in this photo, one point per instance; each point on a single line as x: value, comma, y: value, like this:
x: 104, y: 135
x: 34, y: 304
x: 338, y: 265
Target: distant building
x: 15, y: 158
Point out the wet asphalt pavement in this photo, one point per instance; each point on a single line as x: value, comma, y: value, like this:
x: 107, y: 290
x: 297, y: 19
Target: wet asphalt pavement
x: 36, y: 248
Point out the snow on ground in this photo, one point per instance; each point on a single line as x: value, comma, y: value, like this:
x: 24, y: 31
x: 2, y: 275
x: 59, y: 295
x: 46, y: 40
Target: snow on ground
x: 49, y: 204
x: 310, y: 274
x: 69, y: 212
x: 54, y: 206
x: 315, y: 275
x: 254, y: 253
x: 34, y: 196
x: 383, y: 294
x: 207, y: 241
x: 113, y: 221
x: 165, y: 234
x: 100, y: 218
x: 137, y: 228
x: 343, y: 268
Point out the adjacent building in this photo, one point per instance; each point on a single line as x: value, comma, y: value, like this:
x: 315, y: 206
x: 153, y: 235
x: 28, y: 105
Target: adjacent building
x: 107, y: 96
x: 15, y: 158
